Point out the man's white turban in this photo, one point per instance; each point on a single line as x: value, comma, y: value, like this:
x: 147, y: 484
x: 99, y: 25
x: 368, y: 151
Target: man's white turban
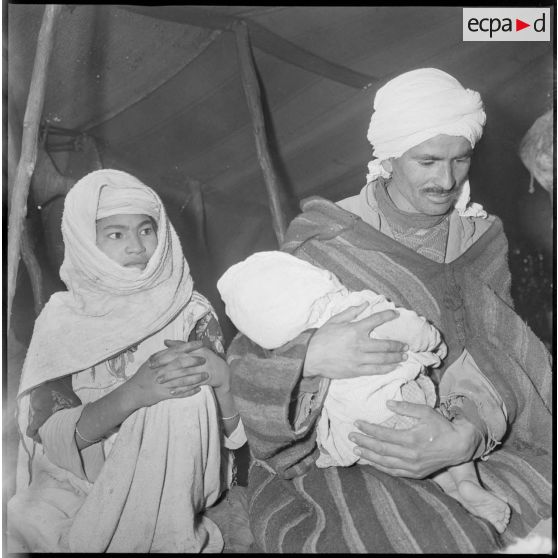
x: 417, y: 106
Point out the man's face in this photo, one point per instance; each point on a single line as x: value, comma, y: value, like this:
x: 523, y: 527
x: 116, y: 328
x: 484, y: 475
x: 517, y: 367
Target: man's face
x: 427, y: 178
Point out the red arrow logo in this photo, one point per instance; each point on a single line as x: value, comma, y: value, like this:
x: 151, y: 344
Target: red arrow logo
x: 519, y: 24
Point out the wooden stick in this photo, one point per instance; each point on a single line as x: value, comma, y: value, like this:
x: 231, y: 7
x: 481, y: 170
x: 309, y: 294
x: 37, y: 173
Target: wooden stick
x: 199, y: 210
x: 293, y: 54
x: 33, y: 269
x: 26, y: 166
x: 252, y: 91
x: 13, y: 151
x: 98, y: 163
x: 27, y: 250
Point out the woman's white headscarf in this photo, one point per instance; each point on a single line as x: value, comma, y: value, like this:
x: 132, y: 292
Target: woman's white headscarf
x: 108, y: 307
x: 417, y: 106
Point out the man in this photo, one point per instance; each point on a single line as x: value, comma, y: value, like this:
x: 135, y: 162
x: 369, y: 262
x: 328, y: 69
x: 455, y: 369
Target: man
x: 411, y: 235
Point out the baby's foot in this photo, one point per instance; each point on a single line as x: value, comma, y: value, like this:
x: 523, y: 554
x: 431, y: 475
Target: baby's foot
x: 483, y: 503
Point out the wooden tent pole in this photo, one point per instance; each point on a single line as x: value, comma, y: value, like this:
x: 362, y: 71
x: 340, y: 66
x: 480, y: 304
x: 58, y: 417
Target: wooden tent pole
x: 28, y: 158
x: 253, y: 98
x: 261, y: 38
x: 198, y: 210
x: 27, y: 251
x: 33, y: 269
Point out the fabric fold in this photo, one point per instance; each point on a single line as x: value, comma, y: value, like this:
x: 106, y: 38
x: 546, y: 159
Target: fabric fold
x: 154, y: 484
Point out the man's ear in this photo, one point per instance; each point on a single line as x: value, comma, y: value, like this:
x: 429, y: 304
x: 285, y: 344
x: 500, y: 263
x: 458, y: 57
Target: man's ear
x: 388, y: 167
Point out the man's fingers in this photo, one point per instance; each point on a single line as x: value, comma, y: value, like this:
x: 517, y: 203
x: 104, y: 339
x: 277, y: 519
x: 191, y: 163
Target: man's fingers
x: 384, y: 346
x: 393, y: 459
x: 371, y: 322
x: 374, y: 369
x: 382, y: 448
x: 417, y: 410
x: 348, y: 315
x: 380, y: 434
x: 391, y: 471
x: 374, y: 357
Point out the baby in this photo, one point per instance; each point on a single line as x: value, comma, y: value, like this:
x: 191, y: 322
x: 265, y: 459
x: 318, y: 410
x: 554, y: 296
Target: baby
x: 272, y: 297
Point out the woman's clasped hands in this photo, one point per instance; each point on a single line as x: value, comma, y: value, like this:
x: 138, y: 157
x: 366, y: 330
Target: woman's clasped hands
x: 178, y: 371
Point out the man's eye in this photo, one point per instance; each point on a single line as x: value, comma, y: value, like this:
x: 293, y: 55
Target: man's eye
x: 463, y: 159
x: 426, y: 162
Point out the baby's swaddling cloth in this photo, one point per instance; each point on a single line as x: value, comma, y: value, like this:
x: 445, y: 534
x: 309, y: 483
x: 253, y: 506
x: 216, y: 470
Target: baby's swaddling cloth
x: 272, y: 297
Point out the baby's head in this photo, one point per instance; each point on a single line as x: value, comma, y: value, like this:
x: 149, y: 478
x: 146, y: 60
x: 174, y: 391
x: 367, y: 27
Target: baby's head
x: 126, y: 225
x: 271, y: 297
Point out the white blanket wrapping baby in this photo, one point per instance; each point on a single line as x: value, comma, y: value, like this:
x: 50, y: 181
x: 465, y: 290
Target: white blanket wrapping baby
x: 271, y: 297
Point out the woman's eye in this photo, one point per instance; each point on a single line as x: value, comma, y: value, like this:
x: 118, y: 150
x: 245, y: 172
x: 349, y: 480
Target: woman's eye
x: 147, y: 231
x: 115, y: 235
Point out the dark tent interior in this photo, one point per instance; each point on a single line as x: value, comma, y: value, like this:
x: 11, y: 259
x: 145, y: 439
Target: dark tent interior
x: 158, y: 92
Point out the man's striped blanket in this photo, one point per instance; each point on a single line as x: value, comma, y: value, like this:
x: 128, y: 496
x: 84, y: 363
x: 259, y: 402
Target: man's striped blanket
x: 296, y: 507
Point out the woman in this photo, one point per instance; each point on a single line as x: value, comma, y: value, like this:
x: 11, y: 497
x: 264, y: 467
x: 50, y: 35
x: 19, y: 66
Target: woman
x: 121, y: 437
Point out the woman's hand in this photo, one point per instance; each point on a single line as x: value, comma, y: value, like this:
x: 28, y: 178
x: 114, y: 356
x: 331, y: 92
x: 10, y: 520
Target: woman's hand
x: 432, y: 444
x: 218, y: 377
x: 168, y: 374
x: 342, y: 348
x: 216, y: 370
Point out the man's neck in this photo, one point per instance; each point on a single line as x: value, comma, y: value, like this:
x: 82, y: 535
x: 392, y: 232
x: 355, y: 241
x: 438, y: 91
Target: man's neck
x: 425, y: 234
x: 398, y: 199
x: 402, y: 217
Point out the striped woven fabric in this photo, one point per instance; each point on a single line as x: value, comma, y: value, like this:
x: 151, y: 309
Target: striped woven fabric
x: 296, y: 507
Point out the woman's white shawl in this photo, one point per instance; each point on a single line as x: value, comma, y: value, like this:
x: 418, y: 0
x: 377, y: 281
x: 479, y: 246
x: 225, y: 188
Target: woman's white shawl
x: 107, y: 307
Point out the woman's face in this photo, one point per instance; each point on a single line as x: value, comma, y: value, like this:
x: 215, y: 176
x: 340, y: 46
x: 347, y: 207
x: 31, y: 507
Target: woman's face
x: 129, y: 240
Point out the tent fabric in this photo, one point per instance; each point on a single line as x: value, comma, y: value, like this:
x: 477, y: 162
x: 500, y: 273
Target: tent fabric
x: 165, y: 95
x: 163, y: 100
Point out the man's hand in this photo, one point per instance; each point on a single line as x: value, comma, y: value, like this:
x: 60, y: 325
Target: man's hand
x: 342, y: 348
x: 430, y: 445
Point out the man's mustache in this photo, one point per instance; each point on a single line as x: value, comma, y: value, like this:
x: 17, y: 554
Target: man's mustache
x: 438, y: 191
